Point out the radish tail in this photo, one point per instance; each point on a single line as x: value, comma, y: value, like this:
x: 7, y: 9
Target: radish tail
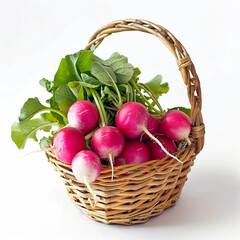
x: 86, y: 182
x: 160, y: 144
x: 39, y: 150
x: 111, y: 163
x: 188, y: 140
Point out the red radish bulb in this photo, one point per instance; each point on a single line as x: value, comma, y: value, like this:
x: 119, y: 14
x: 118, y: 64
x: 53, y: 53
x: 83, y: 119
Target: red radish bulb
x: 156, y: 151
x: 83, y: 115
x: 86, y: 167
x: 152, y: 126
x: 134, y: 152
x: 132, y: 119
x: 176, y: 125
x: 67, y: 143
x: 108, y: 142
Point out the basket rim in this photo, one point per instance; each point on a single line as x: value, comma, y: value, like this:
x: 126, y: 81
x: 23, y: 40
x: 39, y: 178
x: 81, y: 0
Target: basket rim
x: 106, y: 172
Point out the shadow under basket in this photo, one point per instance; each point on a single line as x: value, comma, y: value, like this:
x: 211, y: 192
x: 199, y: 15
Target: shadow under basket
x: 140, y: 191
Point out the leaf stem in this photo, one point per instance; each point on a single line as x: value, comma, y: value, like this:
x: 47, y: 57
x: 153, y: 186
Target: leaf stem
x: 142, y: 96
x: 89, y: 135
x: 120, y: 103
x: 60, y: 113
x: 151, y: 94
x: 131, y: 98
x: 101, y: 109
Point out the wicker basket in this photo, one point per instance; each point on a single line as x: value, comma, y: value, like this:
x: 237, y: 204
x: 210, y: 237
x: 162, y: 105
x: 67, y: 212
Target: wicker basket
x: 149, y: 188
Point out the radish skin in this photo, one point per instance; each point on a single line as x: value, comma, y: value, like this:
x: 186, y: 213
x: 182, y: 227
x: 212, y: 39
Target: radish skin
x: 67, y: 143
x: 84, y: 116
x: 157, y: 152
x: 134, y: 152
x: 131, y: 118
x: 176, y: 125
x: 108, y: 142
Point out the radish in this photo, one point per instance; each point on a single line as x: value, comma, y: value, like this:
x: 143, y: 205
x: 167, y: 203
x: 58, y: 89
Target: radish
x: 108, y: 142
x: 156, y: 151
x: 152, y: 126
x: 134, y: 152
x: 132, y: 119
x: 86, y: 167
x: 83, y: 115
x: 67, y: 143
x: 176, y: 125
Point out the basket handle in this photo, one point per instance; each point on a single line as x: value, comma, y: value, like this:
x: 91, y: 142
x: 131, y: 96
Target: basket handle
x: 184, y: 63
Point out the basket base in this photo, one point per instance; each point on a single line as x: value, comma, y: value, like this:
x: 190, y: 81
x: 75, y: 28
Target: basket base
x: 137, y: 217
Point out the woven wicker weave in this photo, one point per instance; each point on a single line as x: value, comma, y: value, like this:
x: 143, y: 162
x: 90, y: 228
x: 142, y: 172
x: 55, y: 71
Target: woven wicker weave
x: 140, y: 191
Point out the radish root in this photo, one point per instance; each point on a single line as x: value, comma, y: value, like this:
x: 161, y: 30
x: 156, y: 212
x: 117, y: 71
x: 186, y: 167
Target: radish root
x: 39, y: 150
x: 86, y: 182
x: 160, y: 144
x: 188, y: 140
x: 111, y: 163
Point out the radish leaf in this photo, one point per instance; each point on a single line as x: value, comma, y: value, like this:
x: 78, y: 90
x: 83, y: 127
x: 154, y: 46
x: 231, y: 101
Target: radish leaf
x: 22, y: 131
x: 67, y: 71
x: 103, y: 73
x: 90, y: 82
x: 46, y: 84
x: 82, y: 95
x: 84, y: 62
x: 157, y: 88
x: 64, y: 98
x: 122, y: 69
x: 31, y: 107
x: 99, y: 60
x: 136, y: 73
x: 44, y: 143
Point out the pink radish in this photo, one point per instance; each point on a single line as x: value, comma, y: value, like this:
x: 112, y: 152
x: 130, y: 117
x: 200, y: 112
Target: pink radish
x: 83, y: 115
x: 67, y: 143
x: 156, y: 151
x: 86, y: 167
x: 134, y: 152
x: 132, y: 119
x: 176, y: 125
x: 152, y: 126
x: 108, y: 142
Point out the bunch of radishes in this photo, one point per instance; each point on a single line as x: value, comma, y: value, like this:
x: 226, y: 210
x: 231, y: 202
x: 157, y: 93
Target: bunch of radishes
x: 105, y: 115
x: 137, y: 137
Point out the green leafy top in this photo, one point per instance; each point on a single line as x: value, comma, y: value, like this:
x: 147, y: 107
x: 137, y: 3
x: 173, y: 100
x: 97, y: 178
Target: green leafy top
x: 84, y: 76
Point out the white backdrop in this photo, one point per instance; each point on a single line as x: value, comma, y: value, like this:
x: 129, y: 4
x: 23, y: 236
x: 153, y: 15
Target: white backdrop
x: 35, y: 35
